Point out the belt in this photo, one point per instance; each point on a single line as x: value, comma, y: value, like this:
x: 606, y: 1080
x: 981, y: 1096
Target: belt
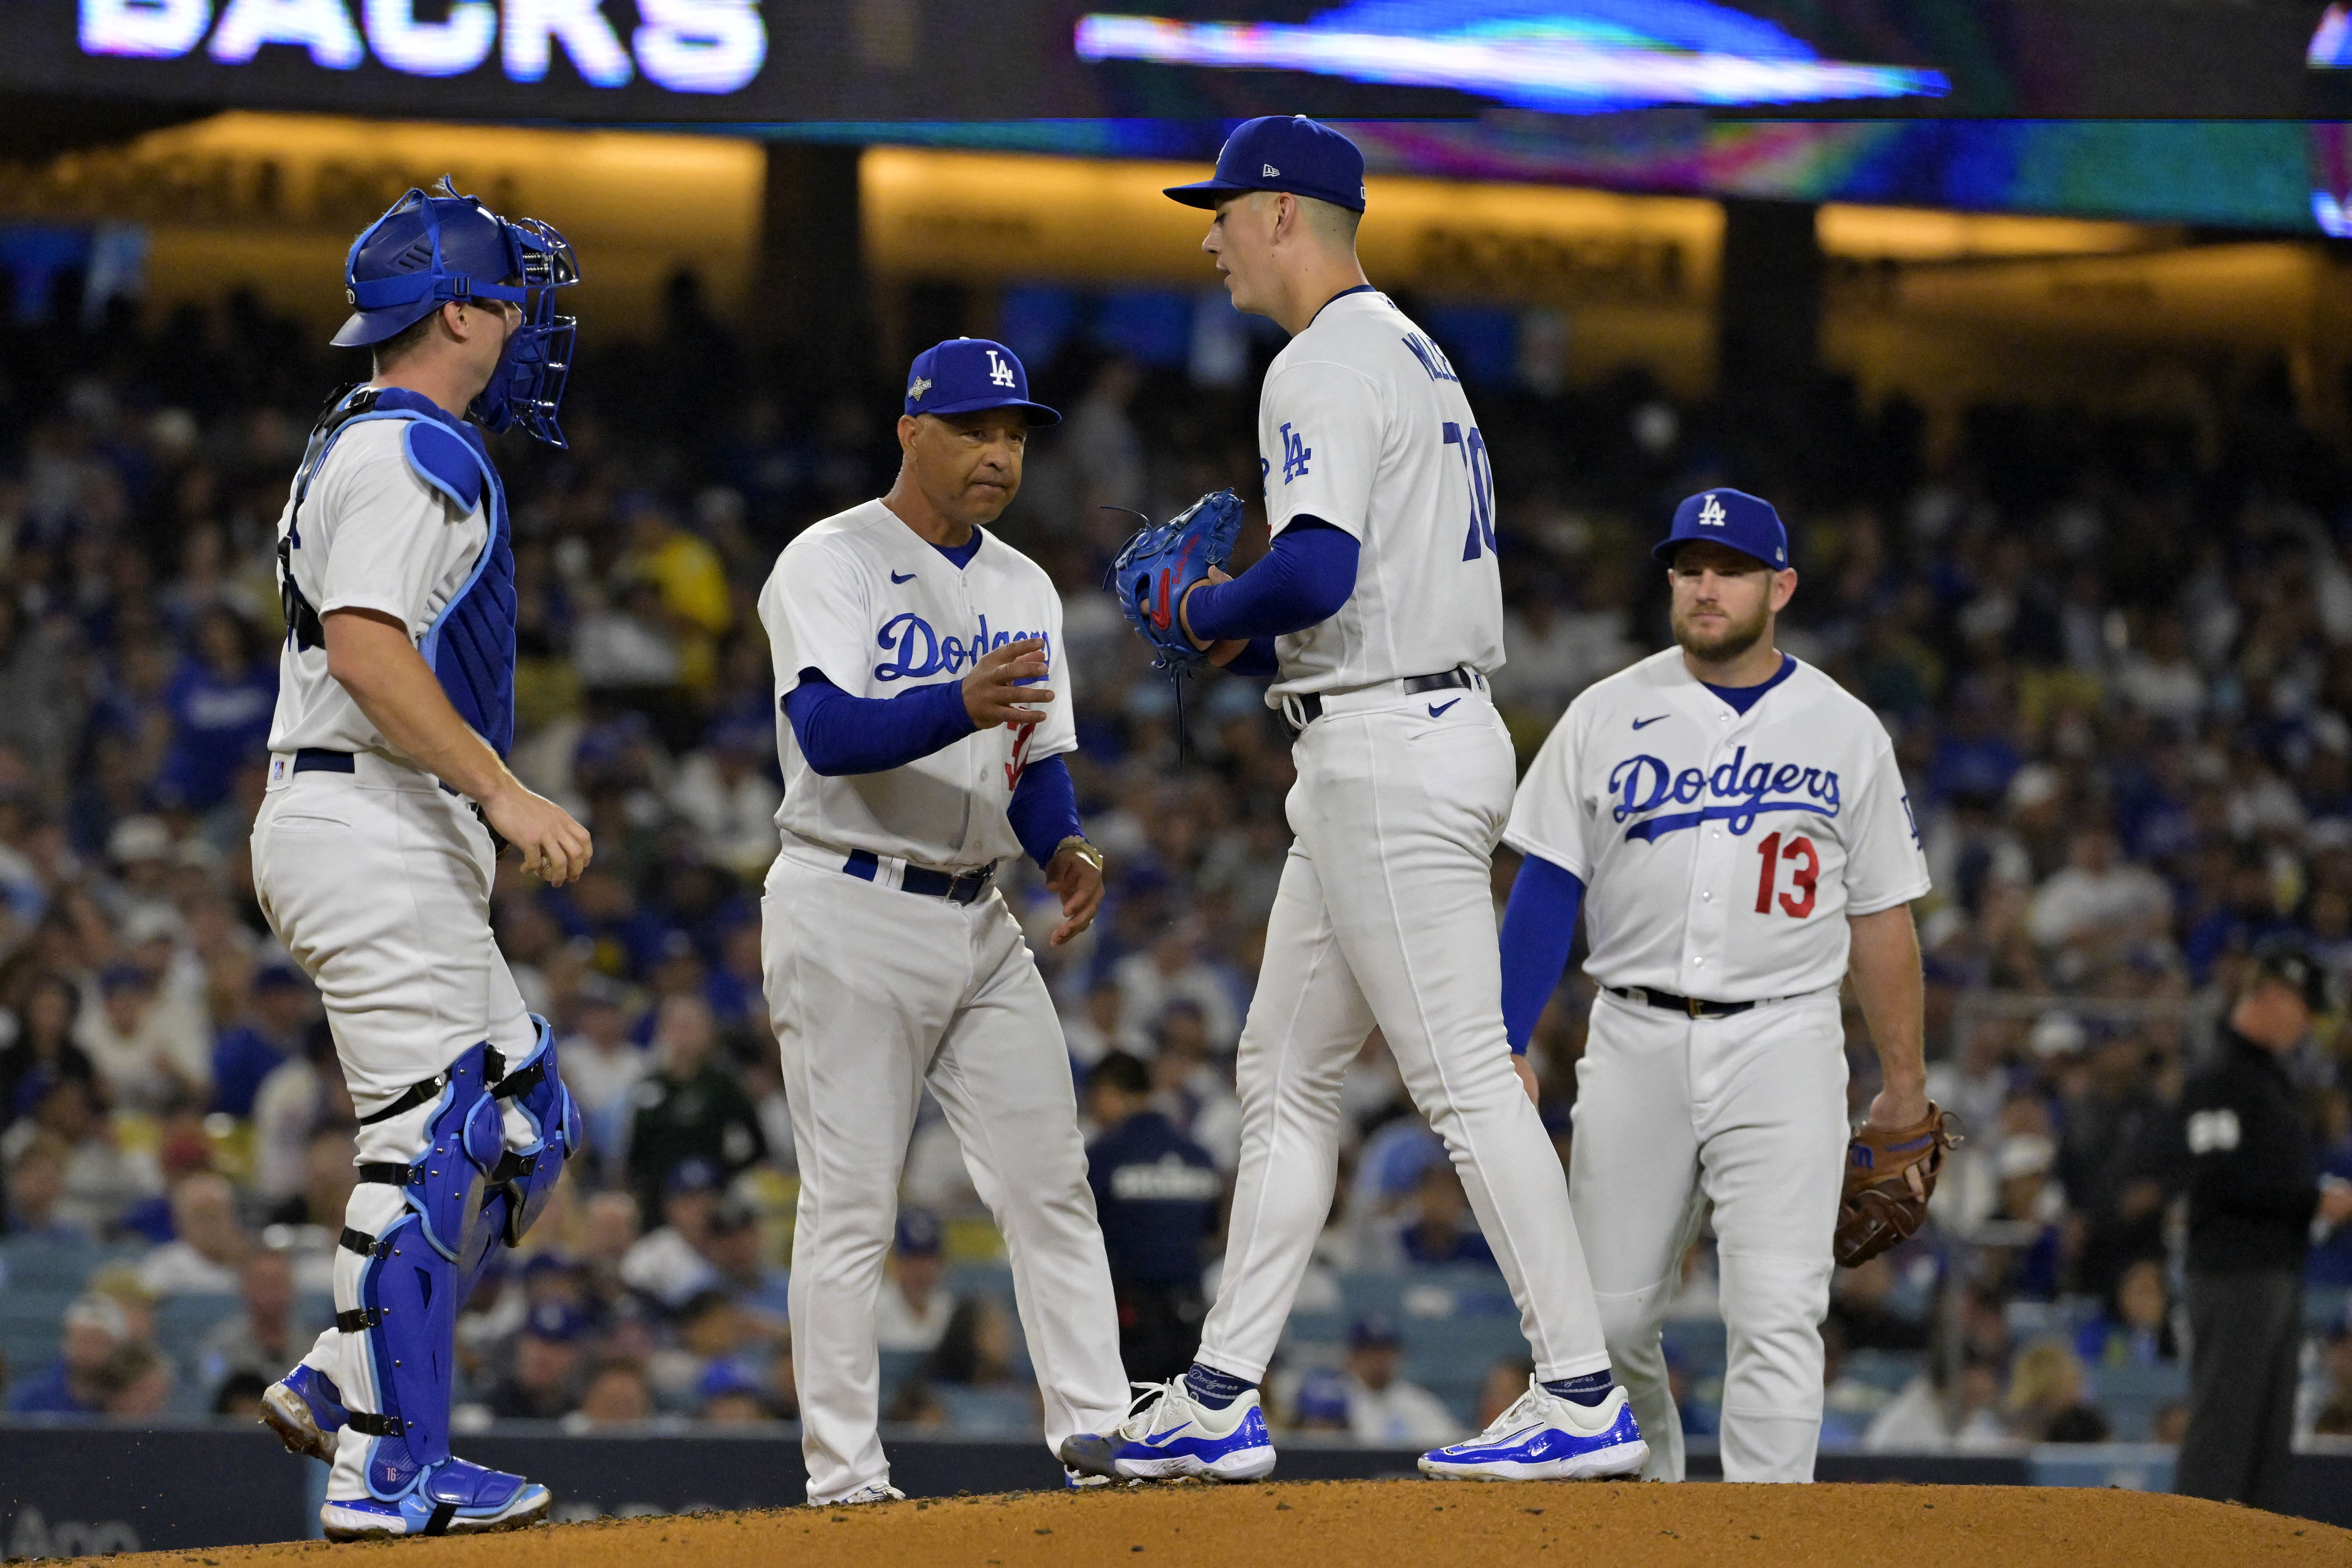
x: 319, y: 760
x: 1309, y: 707
x: 1692, y: 1005
x: 956, y: 888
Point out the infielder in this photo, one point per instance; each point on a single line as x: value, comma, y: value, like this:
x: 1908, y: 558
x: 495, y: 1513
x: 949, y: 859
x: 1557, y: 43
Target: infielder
x: 1735, y: 829
x: 374, y: 850
x: 919, y: 755
x: 1382, y: 587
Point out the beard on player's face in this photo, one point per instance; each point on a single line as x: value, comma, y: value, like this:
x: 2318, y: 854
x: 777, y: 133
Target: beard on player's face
x: 1736, y: 633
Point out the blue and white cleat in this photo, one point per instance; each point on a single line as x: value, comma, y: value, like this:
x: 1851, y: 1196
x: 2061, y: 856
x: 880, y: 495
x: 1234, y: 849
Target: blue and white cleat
x: 872, y: 1492
x: 306, y: 1410
x: 452, y: 1498
x: 1169, y: 1435
x: 1543, y: 1437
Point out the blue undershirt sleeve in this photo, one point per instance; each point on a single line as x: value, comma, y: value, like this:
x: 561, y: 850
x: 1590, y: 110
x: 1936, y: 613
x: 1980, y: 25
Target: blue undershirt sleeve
x: 1044, y: 809
x: 1302, y: 580
x: 1539, y: 929
x: 1258, y: 659
x: 841, y: 734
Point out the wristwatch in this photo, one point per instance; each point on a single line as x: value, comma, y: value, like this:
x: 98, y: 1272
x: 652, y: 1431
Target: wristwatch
x: 1084, y: 851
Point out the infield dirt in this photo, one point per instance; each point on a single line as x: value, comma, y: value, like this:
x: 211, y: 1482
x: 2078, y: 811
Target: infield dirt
x: 1409, y: 1524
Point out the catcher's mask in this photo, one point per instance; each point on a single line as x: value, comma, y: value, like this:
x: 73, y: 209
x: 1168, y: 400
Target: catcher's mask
x: 431, y: 249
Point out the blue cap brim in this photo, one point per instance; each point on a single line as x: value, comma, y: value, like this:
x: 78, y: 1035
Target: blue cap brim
x: 1207, y: 193
x: 1038, y: 413
x: 367, y: 327
x: 1666, y: 552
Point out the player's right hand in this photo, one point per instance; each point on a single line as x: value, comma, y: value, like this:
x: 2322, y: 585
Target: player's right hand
x: 554, y: 848
x: 993, y: 693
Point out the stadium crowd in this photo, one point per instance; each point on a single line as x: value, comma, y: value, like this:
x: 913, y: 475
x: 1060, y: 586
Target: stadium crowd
x: 2115, y: 653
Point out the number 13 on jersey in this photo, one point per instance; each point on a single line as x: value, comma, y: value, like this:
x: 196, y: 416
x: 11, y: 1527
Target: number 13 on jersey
x: 1481, y: 474
x: 1804, y: 875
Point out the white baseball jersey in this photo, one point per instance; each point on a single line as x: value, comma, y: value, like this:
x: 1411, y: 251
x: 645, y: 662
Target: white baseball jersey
x: 372, y: 536
x: 1721, y: 851
x: 1363, y: 423
x: 865, y: 600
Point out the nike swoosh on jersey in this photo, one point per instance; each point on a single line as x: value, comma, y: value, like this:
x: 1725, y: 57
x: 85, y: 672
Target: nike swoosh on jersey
x: 909, y: 577
x: 1437, y: 710
x: 1645, y: 723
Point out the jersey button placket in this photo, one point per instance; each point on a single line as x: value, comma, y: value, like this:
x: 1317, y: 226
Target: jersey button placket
x: 1704, y: 917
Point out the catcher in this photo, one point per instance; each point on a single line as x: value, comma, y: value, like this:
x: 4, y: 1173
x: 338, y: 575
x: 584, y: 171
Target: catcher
x: 1736, y: 831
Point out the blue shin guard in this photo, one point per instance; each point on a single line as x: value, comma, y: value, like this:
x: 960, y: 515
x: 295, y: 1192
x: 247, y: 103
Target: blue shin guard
x: 418, y: 1267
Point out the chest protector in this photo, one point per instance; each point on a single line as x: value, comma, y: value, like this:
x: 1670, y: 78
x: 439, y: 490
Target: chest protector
x: 470, y: 646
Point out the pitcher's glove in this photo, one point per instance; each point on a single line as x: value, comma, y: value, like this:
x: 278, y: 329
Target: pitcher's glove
x: 1878, y: 1208
x: 1159, y: 563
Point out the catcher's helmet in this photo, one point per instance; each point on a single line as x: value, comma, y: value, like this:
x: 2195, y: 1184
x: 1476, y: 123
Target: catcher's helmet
x: 435, y: 248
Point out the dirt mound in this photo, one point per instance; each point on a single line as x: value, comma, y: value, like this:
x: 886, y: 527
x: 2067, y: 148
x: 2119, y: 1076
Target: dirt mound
x: 1410, y: 1524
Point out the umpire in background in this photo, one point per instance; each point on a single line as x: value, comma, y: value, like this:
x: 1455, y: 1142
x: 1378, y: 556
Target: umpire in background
x: 1157, y: 1192
x: 2255, y: 1199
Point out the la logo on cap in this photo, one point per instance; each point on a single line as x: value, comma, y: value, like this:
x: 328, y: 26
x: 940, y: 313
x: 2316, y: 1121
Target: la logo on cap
x: 1711, y: 514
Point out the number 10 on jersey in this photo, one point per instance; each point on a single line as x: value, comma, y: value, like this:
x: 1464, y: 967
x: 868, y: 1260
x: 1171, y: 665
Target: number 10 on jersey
x: 1482, y: 487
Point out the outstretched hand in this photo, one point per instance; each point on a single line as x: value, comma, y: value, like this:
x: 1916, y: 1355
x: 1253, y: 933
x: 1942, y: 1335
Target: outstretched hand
x: 994, y: 693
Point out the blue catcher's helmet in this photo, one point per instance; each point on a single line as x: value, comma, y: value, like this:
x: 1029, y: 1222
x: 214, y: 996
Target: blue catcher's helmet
x: 432, y: 249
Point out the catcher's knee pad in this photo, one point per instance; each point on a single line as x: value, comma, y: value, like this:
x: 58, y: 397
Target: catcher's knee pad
x: 525, y: 1177
x: 445, y: 1182
x: 406, y: 1321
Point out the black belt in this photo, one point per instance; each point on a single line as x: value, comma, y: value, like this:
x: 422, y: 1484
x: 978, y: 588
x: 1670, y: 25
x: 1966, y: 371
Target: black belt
x: 318, y: 760
x: 1311, y: 704
x: 961, y: 888
x: 1692, y: 1006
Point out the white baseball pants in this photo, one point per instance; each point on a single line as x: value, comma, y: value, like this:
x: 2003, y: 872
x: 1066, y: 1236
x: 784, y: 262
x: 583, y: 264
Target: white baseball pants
x: 1747, y: 1112
x: 378, y: 882
x: 1385, y: 916
x: 877, y: 991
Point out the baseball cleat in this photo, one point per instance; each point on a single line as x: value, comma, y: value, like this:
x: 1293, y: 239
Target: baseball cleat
x: 306, y: 1410
x: 1170, y: 1435
x: 1078, y: 1480
x: 1543, y: 1437
x: 872, y: 1492
x: 452, y: 1498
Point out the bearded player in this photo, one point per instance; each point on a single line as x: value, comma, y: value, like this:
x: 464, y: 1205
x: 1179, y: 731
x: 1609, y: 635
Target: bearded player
x: 1734, y: 827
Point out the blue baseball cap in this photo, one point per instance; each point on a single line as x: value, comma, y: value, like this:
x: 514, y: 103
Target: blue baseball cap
x: 558, y: 1322
x: 964, y: 375
x: 919, y: 1234
x: 727, y: 1376
x: 1323, y: 1396
x: 1731, y: 517
x: 1283, y: 152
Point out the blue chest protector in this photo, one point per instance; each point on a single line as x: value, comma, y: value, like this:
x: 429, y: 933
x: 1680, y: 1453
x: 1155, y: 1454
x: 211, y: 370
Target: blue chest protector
x: 470, y: 646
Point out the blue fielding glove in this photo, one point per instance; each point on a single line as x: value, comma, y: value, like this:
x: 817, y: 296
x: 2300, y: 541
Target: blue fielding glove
x: 1162, y: 563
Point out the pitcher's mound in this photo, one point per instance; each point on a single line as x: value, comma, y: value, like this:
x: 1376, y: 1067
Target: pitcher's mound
x: 1409, y: 1524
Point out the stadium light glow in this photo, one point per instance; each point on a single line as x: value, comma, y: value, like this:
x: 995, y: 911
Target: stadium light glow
x: 1580, y: 57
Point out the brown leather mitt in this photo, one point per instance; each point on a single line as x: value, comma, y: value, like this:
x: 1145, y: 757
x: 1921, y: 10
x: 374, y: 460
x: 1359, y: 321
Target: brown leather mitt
x: 1878, y: 1209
